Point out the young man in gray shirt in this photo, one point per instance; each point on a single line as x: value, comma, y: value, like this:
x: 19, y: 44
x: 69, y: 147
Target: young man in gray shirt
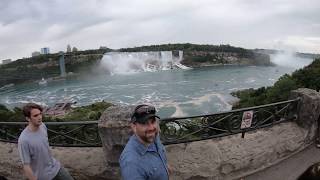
x: 34, y: 151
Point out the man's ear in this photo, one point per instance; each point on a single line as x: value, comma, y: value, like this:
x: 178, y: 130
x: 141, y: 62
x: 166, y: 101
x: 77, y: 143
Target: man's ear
x: 158, y: 127
x: 133, y: 127
x: 28, y: 119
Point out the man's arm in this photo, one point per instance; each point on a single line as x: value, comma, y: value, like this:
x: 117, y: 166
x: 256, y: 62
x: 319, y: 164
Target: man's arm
x: 25, y: 157
x: 28, y: 172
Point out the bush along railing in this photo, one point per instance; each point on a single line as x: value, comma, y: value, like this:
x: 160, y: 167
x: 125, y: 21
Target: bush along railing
x: 195, y: 128
x: 67, y: 134
x: 173, y: 130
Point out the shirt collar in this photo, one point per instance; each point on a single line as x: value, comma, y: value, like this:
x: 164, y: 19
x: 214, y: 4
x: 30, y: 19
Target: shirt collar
x: 142, y: 149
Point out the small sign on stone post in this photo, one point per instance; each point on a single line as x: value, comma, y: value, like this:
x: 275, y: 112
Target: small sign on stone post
x: 246, y: 120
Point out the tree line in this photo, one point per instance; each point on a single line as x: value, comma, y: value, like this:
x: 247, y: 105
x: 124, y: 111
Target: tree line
x: 307, y: 77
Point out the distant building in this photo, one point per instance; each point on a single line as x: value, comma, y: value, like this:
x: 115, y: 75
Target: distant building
x: 45, y: 50
x: 103, y: 47
x: 36, y: 53
x: 6, y: 61
x: 74, y: 49
x: 68, y: 48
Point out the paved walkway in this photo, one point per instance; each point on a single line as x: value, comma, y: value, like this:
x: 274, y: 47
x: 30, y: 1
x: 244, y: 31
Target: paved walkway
x: 291, y: 168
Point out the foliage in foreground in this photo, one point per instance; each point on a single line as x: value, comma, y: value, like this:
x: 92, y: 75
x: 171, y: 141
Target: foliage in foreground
x: 85, y: 113
x: 307, y: 77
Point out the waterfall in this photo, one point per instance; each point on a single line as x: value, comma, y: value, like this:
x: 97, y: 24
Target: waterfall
x: 131, y: 62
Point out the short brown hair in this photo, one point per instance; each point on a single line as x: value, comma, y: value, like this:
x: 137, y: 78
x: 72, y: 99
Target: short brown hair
x: 28, y: 107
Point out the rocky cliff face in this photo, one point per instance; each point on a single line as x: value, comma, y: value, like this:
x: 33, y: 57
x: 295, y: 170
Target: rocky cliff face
x: 206, y: 58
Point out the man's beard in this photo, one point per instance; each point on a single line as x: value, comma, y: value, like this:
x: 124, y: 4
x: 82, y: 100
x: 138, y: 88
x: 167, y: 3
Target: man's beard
x: 149, y: 139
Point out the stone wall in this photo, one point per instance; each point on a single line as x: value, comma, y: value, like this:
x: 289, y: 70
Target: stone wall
x: 233, y: 157
x: 206, y: 58
x: 83, y: 163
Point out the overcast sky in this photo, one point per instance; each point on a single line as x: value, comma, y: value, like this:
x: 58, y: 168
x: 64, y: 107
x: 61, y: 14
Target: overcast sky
x: 28, y: 25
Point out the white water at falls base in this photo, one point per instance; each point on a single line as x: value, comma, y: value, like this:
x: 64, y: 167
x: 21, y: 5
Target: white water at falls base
x: 132, y: 62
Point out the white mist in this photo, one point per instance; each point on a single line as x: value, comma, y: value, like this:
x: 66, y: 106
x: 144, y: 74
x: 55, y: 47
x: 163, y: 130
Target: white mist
x: 289, y: 59
x: 132, y: 62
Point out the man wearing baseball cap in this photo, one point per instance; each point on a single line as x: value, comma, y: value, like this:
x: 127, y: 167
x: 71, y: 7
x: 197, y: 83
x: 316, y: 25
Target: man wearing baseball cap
x: 144, y: 156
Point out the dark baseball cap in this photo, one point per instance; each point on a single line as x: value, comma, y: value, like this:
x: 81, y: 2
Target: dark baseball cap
x: 142, y: 113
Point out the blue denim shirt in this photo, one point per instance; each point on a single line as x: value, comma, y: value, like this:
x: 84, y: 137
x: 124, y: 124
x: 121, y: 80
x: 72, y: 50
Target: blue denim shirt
x: 138, y: 162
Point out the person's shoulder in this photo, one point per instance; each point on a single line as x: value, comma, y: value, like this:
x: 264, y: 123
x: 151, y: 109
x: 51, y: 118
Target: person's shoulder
x: 159, y: 143
x: 128, y: 158
x: 43, y: 126
x: 129, y: 153
x: 24, y: 141
x: 23, y: 136
x: 131, y: 144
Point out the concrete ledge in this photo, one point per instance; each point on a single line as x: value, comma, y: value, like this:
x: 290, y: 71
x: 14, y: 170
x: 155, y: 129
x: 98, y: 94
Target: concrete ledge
x: 222, y: 158
x: 234, y: 157
x: 83, y: 163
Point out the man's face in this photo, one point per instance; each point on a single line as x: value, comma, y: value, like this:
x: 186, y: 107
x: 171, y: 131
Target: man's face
x: 146, y: 132
x: 35, y: 117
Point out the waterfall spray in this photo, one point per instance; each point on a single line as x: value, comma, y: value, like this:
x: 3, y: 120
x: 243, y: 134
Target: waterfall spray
x: 132, y: 62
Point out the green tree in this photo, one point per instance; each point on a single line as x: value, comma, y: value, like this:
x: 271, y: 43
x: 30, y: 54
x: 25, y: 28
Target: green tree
x: 281, y: 89
x: 307, y: 77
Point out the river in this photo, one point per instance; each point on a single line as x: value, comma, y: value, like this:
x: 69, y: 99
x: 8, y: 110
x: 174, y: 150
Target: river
x: 175, y: 92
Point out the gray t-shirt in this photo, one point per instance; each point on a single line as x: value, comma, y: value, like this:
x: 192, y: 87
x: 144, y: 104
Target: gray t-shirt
x: 34, y: 150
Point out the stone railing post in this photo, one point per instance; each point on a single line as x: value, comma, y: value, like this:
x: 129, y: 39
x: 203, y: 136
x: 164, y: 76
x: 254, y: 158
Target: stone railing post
x: 114, y: 131
x: 308, y: 110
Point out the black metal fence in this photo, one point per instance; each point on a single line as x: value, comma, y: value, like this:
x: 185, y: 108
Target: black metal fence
x: 173, y: 130
x: 195, y: 128
x: 67, y: 134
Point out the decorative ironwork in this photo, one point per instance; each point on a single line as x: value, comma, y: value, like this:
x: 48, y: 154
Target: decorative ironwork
x: 195, y: 128
x: 75, y: 134
x: 173, y: 130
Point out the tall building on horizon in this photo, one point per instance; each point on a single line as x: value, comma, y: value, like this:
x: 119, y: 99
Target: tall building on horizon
x: 68, y: 48
x: 45, y: 50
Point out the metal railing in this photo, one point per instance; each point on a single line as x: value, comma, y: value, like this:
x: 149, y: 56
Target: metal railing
x: 67, y: 134
x: 196, y: 128
x: 173, y: 130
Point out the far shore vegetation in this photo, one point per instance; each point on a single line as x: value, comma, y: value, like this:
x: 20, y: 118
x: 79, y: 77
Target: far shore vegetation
x: 90, y: 112
x: 307, y: 77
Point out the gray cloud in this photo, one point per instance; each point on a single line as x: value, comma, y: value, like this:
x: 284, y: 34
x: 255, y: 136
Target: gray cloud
x: 28, y: 25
